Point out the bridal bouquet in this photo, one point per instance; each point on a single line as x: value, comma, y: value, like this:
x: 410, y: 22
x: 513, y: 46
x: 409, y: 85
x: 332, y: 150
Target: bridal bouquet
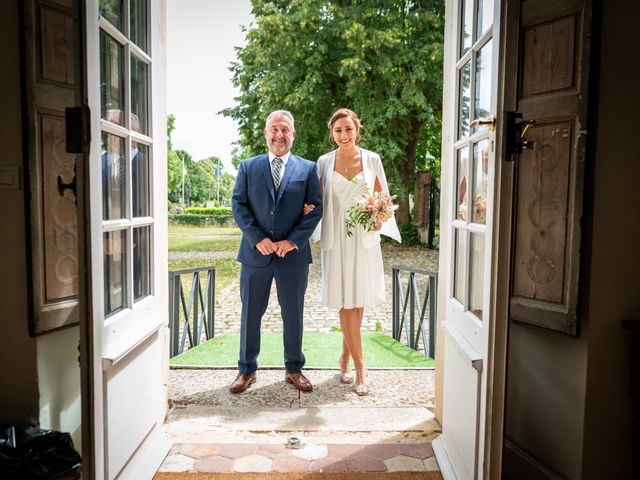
x: 370, y: 210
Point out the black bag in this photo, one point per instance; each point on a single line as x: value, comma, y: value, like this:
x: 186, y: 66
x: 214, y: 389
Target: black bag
x: 31, y: 453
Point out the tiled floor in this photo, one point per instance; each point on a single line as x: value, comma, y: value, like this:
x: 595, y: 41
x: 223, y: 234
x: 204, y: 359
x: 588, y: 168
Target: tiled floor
x: 216, y: 432
x: 235, y: 457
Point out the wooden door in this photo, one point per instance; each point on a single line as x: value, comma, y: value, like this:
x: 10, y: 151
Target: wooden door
x: 53, y: 82
x: 550, y: 90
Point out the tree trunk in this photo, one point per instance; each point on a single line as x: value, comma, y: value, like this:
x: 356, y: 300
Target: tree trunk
x: 408, y: 172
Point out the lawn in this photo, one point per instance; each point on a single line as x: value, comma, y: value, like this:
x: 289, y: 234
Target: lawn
x: 193, y: 231
x: 185, y: 239
x: 320, y: 349
x: 183, y: 243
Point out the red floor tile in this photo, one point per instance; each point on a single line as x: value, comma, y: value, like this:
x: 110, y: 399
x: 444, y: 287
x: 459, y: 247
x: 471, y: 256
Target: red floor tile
x: 237, y: 450
x: 344, y: 451
x: 416, y: 450
x: 365, y: 463
x: 199, y: 450
x: 381, y: 451
x: 213, y: 464
x: 329, y: 464
x: 289, y: 463
x: 272, y: 450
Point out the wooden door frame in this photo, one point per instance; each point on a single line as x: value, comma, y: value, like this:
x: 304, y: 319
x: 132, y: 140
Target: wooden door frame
x: 501, y: 257
x: 91, y: 365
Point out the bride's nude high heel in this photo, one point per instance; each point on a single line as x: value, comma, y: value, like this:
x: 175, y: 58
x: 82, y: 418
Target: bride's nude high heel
x: 362, y: 382
x: 345, y: 371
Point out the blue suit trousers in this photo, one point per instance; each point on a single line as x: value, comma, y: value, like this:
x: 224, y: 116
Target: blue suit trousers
x: 255, y: 287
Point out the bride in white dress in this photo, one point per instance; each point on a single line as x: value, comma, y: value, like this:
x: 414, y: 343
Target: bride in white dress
x: 352, y: 269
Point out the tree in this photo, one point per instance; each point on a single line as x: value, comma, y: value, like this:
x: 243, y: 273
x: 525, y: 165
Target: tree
x: 174, y: 164
x: 381, y: 58
x: 204, y: 180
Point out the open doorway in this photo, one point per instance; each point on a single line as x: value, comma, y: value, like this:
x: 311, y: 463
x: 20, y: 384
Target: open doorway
x: 205, y: 420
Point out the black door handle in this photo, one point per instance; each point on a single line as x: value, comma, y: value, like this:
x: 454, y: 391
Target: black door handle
x: 517, y: 134
x: 72, y: 185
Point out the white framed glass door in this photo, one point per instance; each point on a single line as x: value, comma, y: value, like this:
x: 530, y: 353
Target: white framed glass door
x: 470, y: 105
x: 127, y: 192
x: 472, y: 159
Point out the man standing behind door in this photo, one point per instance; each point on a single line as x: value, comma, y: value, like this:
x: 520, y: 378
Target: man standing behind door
x: 270, y: 193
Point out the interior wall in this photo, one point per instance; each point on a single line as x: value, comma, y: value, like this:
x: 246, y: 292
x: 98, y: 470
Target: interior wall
x: 59, y: 383
x: 545, y: 400
x: 18, y: 364
x: 614, y: 287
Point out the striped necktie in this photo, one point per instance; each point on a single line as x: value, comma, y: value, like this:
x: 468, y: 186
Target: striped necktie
x: 276, y: 167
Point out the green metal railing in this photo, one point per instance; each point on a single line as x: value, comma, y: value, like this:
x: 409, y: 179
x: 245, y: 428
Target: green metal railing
x: 413, y: 305
x: 198, y: 311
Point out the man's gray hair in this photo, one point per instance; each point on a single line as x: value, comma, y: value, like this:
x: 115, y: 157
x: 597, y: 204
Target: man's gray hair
x: 284, y: 113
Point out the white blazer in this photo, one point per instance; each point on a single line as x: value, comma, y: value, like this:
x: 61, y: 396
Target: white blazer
x: 372, y: 168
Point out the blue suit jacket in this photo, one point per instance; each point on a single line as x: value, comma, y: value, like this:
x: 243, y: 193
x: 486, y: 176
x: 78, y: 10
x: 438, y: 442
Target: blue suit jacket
x: 260, y: 213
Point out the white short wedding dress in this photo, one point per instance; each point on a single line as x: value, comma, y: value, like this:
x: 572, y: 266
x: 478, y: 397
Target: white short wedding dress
x: 352, y: 276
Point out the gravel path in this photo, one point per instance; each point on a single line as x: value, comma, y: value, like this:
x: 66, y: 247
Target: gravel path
x: 389, y: 388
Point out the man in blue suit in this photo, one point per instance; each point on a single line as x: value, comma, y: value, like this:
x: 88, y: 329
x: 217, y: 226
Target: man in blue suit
x: 268, y: 199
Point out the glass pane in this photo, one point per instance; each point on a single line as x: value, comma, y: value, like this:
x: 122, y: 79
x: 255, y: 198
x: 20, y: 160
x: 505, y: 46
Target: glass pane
x: 462, y: 183
x: 141, y: 262
x: 480, y: 170
x: 483, y: 83
x: 139, y: 95
x: 115, y: 278
x: 111, y: 79
x: 465, y: 30
x: 113, y: 11
x: 476, y: 274
x: 464, y: 100
x: 138, y: 19
x: 140, y: 179
x: 460, y: 255
x: 114, y: 190
x: 485, y: 17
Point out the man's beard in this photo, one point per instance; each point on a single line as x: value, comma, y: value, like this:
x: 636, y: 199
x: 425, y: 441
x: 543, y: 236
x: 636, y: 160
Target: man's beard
x: 278, y: 147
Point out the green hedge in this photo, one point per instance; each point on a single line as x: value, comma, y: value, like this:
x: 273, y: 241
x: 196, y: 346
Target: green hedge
x: 409, y: 234
x: 201, y: 220
x: 226, y: 211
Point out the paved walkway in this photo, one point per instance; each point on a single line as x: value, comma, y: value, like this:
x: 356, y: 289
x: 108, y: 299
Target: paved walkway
x: 318, y: 318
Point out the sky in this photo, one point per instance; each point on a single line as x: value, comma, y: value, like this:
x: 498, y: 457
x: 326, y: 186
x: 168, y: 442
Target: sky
x: 201, y: 36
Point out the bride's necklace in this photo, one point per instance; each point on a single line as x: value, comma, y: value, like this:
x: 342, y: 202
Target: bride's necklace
x: 354, y: 164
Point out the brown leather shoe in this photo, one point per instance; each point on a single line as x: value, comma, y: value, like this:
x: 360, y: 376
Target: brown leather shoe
x: 242, y: 382
x: 299, y: 381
